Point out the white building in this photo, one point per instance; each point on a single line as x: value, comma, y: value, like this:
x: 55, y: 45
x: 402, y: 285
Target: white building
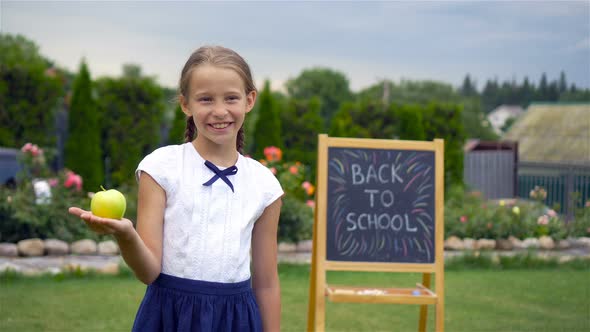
x: 501, y: 114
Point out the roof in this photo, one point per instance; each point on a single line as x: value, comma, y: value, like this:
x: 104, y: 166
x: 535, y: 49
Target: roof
x: 513, y: 110
x: 553, y: 132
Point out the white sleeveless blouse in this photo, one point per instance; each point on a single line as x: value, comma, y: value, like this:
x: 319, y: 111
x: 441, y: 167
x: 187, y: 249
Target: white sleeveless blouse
x: 208, y: 229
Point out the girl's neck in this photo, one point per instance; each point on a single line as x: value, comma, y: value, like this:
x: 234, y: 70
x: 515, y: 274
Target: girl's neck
x: 220, y: 155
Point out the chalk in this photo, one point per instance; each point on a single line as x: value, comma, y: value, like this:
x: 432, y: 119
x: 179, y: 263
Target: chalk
x: 415, y: 292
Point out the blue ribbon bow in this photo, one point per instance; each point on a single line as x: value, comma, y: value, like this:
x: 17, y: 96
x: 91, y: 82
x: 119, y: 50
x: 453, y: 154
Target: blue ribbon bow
x: 219, y: 174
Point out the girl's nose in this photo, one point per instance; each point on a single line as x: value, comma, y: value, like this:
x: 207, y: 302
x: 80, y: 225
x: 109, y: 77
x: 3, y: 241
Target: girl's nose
x: 220, y: 110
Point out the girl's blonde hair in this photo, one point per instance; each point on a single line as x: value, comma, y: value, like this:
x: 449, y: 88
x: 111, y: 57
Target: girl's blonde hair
x: 222, y: 57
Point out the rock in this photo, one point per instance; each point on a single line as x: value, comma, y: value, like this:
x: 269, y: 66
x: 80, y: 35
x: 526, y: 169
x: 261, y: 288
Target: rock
x: 112, y: 269
x: 469, y: 244
x: 584, y: 241
x: 54, y: 247
x: 516, y: 242
x: 108, y: 248
x: 504, y: 244
x: 8, y: 249
x: 287, y: 247
x: 84, y: 247
x: 304, y: 246
x: 453, y: 243
x: 546, y: 242
x: 486, y: 244
x: 31, y: 247
x: 9, y: 267
x: 563, y: 244
x: 565, y: 259
x: 531, y: 243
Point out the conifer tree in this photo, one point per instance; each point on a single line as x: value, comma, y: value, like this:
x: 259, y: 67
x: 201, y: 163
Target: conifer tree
x: 83, y: 153
x: 409, y: 121
x: 176, y: 135
x: 267, y: 131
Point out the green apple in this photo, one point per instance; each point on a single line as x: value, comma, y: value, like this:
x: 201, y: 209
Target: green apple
x: 108, y: 204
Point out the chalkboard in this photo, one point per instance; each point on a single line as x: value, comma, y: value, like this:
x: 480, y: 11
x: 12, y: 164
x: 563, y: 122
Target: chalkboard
x: 380, y: 206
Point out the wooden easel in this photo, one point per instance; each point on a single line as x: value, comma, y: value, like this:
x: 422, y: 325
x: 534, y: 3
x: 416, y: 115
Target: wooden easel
x: 422, y: 295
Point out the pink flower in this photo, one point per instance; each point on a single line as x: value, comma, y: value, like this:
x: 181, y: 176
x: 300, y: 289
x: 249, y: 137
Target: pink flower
x: 272, y: 153
x: 293, y: 170
x: 489, y: 225
x: 273, y: 170
x: 543, y: 220
x: 73, y: 179
x: 463, y: 219
x: 587, y: 204
x: 52, y: 182
x: 551, y: 213
x: 35, y: 151
x: 309, y: 188
x: 310, y: 203
x: 27, y: 147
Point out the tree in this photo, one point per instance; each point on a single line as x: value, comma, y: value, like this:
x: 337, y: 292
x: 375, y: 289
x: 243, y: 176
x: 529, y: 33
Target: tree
x: 133, y: 116
x: 468, y: 88
x: 409, y: 123
x: 31, y: 91
x: 330, y: 86
x: 176, y: 134
x: 543, y: 90
x: 562, y: 83
x: 444, y: 120
x: 83, y: 152
x: 267, y: 131
x: 301, y: 124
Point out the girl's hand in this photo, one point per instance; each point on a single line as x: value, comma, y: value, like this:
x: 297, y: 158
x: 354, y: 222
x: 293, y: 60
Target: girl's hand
x: 121, y: 229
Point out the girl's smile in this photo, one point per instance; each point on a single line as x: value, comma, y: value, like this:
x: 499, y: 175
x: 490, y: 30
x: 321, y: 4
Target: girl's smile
x: 218, y: 103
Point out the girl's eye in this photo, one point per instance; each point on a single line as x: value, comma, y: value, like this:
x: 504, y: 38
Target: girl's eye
x: 204, y: 99
x: 233, y: 98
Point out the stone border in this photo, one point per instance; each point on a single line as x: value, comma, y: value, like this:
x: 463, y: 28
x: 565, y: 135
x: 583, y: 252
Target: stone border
x: 53, y: 247
x: 53, y: 263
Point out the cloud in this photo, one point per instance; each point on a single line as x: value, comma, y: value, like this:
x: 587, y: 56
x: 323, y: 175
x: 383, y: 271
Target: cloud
x: 367, y: 41
x: 583, y: 44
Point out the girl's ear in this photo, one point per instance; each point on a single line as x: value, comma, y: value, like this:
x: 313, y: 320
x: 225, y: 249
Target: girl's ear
x: 184, y: 105
x: 250, y: 101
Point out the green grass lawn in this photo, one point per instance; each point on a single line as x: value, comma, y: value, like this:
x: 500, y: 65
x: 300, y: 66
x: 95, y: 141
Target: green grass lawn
x: 548, y: 299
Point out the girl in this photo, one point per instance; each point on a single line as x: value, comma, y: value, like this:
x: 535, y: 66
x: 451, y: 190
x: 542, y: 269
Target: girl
x: 203, y: 208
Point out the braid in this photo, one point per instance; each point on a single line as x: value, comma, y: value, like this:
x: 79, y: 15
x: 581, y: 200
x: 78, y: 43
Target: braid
x: 189, y: 132
x: 240, y: 140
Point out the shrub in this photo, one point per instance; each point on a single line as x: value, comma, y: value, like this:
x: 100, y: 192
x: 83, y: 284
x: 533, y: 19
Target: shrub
x: 26, y: 212
x: 469, y: 215
x: 580, y: 226
x: 296, y: 218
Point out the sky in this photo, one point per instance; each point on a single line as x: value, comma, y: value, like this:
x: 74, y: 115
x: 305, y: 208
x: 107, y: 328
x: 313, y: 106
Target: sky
x: 366, y: 41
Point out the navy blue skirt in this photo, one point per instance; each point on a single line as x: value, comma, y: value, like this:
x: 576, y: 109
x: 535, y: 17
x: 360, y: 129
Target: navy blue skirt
x: 177, y: 304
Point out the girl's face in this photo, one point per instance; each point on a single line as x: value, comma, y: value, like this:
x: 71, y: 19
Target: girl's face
x: 218, y: 103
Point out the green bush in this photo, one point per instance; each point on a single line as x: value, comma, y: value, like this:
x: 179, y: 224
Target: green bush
x: 580, y: 226
x: 296, y: 221
x: 27, y: 214
x: 24, y: 217
x: 296, y: 217
x: 467, y: 214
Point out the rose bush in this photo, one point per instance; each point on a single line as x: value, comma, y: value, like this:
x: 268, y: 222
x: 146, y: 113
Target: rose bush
x: 27, y: 213
x: 468, y: 214
x: 296, y: 218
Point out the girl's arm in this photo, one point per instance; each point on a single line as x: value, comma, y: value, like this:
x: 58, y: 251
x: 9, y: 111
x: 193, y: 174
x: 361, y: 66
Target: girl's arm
x: 142, y: 248
x: 265, y: 278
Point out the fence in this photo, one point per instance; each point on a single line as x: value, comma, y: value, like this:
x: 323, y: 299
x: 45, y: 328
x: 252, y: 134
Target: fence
x: 567, y: 186
x: 493, y: 173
